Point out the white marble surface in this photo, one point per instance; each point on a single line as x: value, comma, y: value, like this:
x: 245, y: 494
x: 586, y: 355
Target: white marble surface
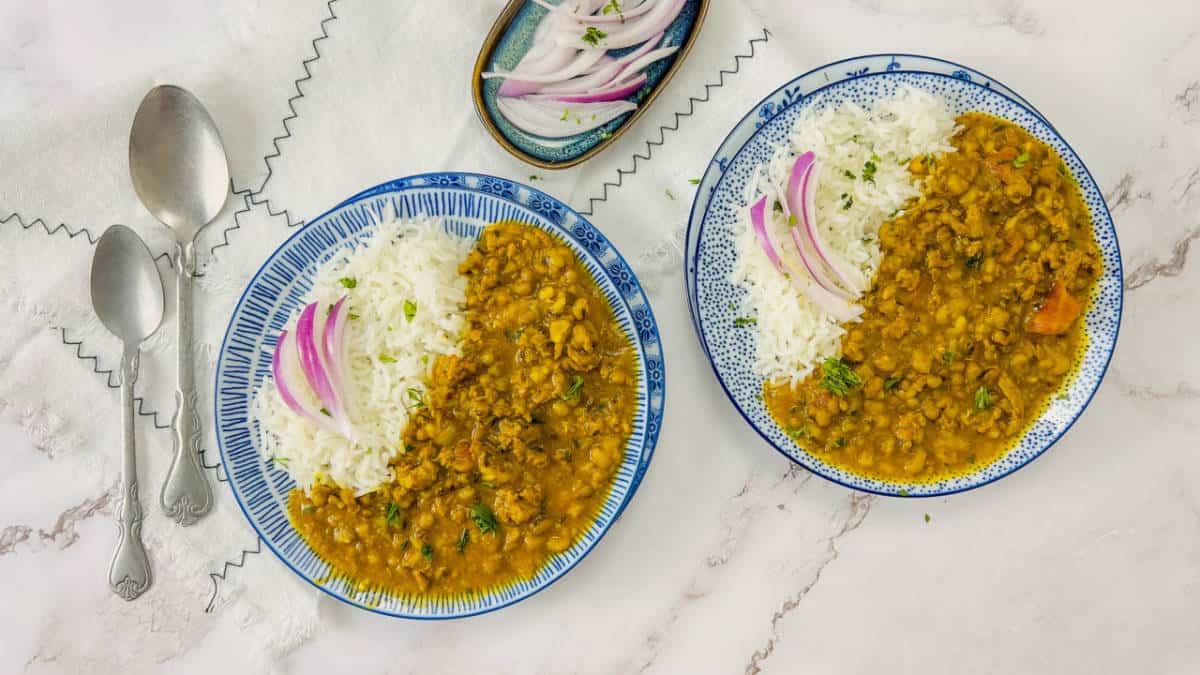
x: 728, y: 560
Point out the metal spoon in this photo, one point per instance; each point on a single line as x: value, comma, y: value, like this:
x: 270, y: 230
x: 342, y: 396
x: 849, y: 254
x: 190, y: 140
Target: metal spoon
x: 180, y: 173
x: 127, y: 294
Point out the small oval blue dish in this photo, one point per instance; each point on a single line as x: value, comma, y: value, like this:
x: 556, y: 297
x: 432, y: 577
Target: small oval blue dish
x: 511, y: 38
x: 711, y: 253
x: 465, y: 204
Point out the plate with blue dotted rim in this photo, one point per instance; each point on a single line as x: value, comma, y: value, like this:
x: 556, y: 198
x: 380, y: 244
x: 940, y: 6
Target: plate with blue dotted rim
x: 464, y: 204
x: 710, y: 252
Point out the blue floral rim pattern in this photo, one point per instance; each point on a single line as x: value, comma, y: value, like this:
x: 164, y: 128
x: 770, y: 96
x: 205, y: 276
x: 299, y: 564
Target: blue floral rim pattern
x: 465, y: 203
x: 710, y: 253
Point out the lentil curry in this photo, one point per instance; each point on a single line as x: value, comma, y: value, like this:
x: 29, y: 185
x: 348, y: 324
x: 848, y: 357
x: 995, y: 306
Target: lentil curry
x: 510, y: 454
x: 972, y: 321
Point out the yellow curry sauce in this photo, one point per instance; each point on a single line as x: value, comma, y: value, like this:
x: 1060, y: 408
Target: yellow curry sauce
x: 512, y: 451
x: 972, y: 321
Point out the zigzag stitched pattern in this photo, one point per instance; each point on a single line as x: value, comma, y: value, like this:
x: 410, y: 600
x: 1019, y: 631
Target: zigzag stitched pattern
x: 110, y: 378
x: 212, y: 601
x: 237, y: 221
x: 110, y: 381
x: 287, y: 132
x: 674, y: 126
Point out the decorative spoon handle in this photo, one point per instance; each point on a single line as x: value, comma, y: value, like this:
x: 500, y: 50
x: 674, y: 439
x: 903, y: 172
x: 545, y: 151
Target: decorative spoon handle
x: 129, y: 575
x: 186, y: 495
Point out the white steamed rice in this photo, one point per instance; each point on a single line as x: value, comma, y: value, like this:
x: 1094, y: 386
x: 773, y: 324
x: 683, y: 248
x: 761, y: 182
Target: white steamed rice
x: 793, y: 334
x: 412, y: 260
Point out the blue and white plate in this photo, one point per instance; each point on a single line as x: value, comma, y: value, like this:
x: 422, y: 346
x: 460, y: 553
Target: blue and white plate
x: 710, y: 251
x: 466, y: 204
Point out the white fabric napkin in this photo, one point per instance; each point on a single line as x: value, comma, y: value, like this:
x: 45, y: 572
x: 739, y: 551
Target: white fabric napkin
x: 315, y: 100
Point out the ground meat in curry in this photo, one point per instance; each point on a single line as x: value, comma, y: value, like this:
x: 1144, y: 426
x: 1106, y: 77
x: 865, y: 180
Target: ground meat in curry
x: 972, y: 322
x: 510, y: 455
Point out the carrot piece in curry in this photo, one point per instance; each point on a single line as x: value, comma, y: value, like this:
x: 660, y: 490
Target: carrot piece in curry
x: 1056, y: 314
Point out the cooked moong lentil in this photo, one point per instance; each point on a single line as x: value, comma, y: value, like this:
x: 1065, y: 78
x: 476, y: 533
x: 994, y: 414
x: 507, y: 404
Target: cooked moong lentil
x: 972, y: 320
x: 509, y: 457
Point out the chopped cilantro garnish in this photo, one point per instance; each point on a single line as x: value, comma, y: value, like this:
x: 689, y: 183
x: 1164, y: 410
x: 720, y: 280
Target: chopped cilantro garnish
x: 353, y: 316
x: 891, y: 383
x: 848, y: 174
x: 797, y: 432
x: 483, y: 518
x: 694, y: 181
x: 348, y: 282
x: 840, y: 442
x: 325, y: 412
x: 838, y: 377
x: 1021, y: 160
x: 410, y: 310
x: 948, y: 357
x: 427, y: 552
x: 927, y: 518
x: 533, y: 177
x: 973, y: 262
x: 384, y: 358
x: 744, y: 321
x: 417, y: 397
x: 463, y: 538
x: 983, y: 398
x: 393, y: 514
x: 849, y: 201
x: 593, y: 36
x: 670, y: 195
x: 572, y: 391
x: 868, y: 172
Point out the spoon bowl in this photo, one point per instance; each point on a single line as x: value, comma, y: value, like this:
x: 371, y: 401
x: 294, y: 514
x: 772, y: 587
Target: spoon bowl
x: 127, y: 294
x: 127, y: 291
x: 177, y: 160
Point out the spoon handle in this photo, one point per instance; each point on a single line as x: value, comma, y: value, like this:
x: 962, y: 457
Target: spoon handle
x: 186, y: 495
x: 129, y: 575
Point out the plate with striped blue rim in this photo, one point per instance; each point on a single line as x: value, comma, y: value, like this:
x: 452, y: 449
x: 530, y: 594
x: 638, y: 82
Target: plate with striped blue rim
x: 793, y: 93
x: 710, y: 252
x: 464, y: 204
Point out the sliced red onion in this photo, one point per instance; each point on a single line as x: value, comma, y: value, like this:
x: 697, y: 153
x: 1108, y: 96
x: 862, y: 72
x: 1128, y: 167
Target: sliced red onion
x: 519, y: 83
x: 636, y: 31
x: 641, y: 63
x: 285, y: 370
x: 801, y: 188
x: 836, y: 307
x: 808, y: 257
x: 335, y: 353
x: 314, y: 369
x: 758, y: 220
x: 611, y: 72
x: 613, y: 92
x: 543, y: 119
x: 624, y: 15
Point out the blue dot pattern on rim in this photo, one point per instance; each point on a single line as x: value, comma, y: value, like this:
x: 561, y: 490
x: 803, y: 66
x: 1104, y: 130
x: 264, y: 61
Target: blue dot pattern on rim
x: 711, y: 252
x: 517, y: 40
x: 467, y: 203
